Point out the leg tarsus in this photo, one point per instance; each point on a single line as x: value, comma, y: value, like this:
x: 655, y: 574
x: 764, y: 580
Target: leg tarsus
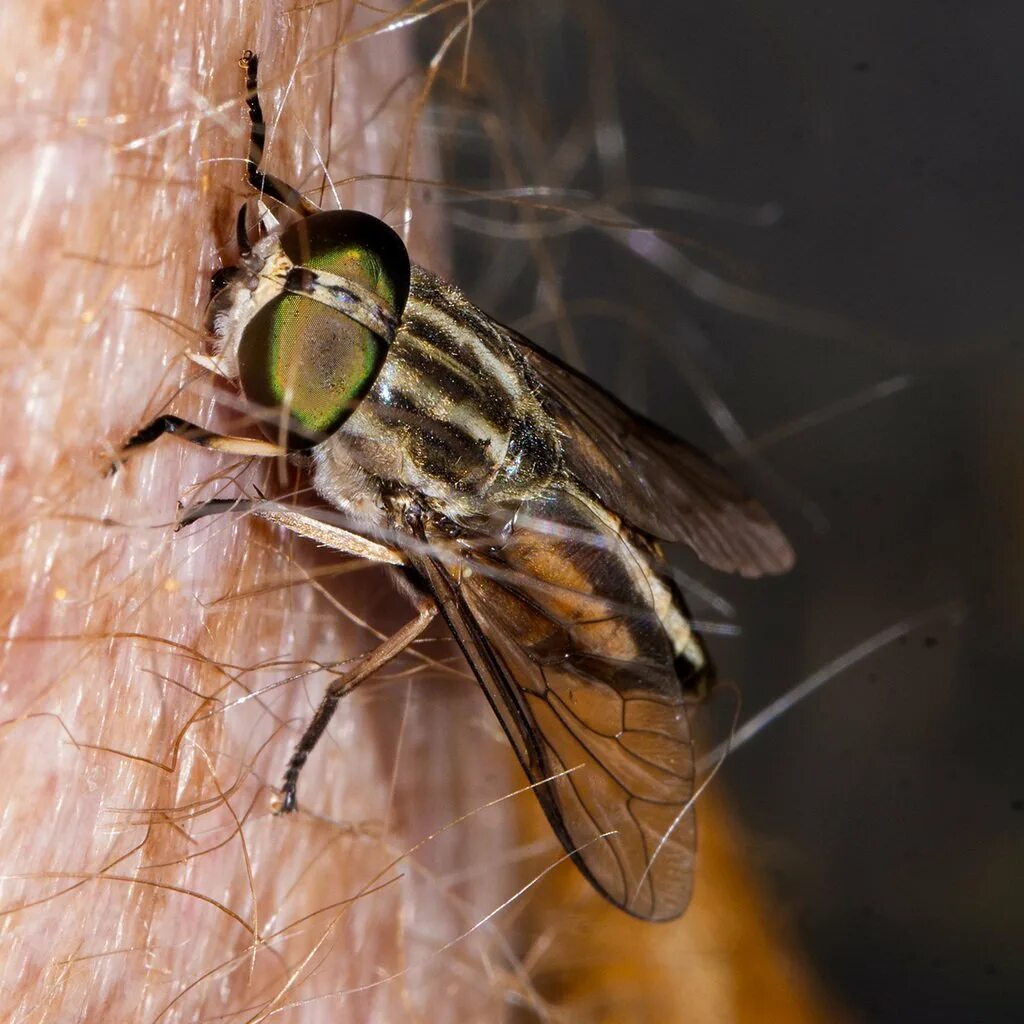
x: 165, y: 425
x: 217, y: 506
x: 151, y: 432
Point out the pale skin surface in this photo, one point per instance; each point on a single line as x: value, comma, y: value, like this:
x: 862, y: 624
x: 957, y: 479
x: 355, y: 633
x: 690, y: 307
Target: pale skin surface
x: 130, y: 871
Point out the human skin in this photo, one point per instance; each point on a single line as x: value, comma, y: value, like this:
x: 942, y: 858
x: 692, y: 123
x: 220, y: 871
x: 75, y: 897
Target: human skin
x: 154, y: 682
x: 145, y: 875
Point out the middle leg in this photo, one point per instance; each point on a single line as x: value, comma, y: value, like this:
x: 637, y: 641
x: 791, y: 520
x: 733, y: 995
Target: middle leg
x: 302, y: 524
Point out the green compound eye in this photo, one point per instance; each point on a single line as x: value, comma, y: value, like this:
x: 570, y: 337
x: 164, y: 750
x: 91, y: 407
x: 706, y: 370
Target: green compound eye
x: 355, y: 245
x: 306, y: 363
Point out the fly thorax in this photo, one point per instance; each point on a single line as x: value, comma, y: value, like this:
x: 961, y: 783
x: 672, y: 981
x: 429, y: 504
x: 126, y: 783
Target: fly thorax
x: 453, y: 413
x: 417, y: 429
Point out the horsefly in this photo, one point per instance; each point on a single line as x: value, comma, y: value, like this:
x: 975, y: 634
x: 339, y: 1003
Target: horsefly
x: 514, y: 496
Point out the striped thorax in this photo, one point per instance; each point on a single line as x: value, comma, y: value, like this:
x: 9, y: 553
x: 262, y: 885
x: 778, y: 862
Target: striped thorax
x: 454, y: 412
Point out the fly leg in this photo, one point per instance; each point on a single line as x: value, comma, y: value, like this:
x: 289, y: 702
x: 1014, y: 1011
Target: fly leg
x: 199, y: 436
x: 338, y: 539
x: 365, y: 667
x: 300, y: 523
x: 266, y: 184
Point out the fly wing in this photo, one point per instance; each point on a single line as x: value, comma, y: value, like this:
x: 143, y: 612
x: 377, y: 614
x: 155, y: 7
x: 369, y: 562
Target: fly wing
x: 569, y: 635
x: 652, y: 479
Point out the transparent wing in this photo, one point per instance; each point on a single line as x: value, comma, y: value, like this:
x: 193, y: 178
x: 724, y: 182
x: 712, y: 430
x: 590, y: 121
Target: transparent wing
x: 652, y: 479
x: 561, y: 626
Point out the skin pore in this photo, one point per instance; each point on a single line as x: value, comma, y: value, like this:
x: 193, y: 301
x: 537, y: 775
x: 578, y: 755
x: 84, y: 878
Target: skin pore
x: 154, y: 682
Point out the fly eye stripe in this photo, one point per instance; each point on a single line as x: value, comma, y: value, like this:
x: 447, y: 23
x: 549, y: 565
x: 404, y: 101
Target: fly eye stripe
x: 348, y: 297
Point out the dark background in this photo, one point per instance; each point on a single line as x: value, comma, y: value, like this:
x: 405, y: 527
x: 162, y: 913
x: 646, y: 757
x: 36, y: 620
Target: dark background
x: 874, y: 260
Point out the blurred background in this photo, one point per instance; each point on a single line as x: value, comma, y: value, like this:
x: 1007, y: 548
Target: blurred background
x: 791, y: 234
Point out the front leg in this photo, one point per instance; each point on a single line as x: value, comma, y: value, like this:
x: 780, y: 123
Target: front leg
x: 194, y: 434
